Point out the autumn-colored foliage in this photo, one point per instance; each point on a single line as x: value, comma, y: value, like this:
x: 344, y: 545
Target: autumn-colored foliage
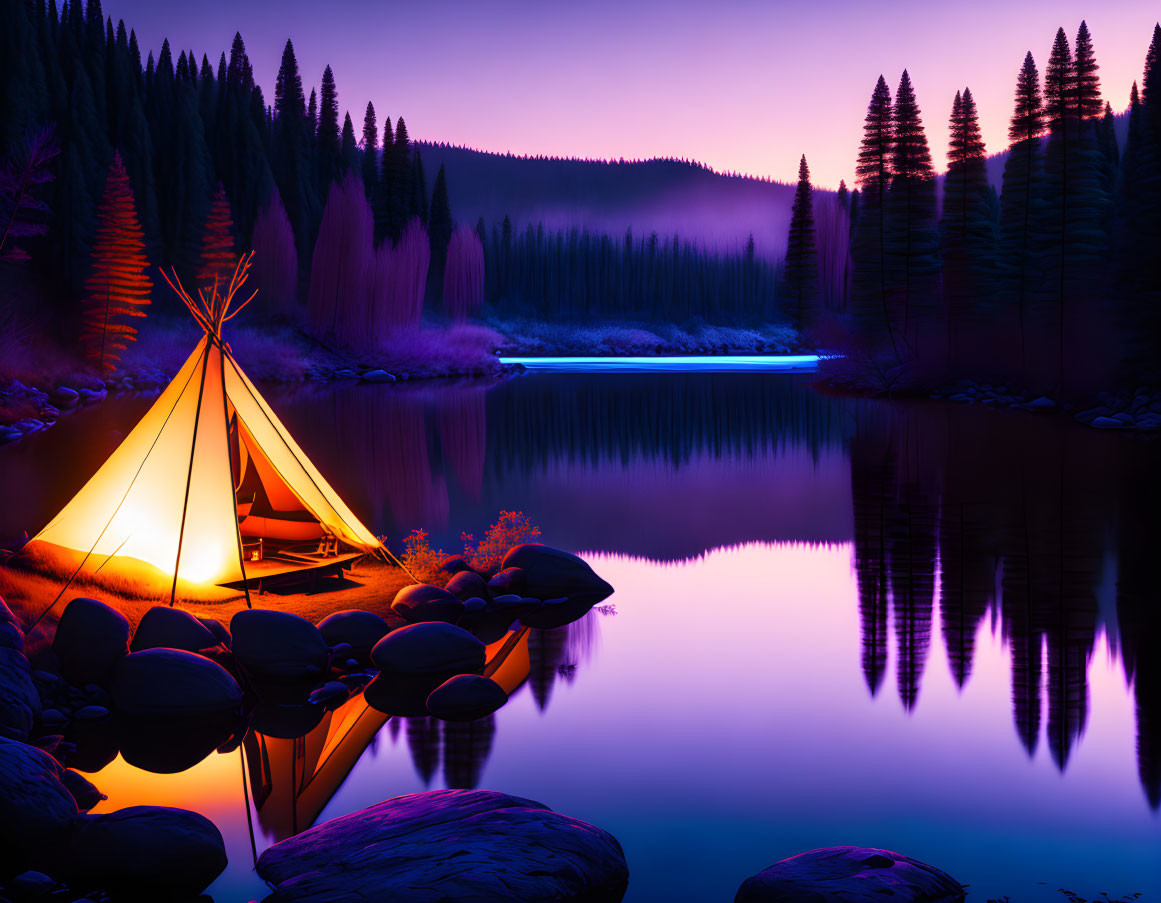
x: 463, y: 277
x: 512, y: 529
x: 218, y: 258
x: 418, y: 555
x: 117, y: 289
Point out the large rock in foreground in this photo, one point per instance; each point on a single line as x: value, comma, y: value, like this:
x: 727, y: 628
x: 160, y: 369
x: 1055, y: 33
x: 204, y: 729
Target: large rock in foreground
x: 850, y: 874
x: 465, y: 845
x: 90, y: 639
x: 424, y: 602
x: 360, y: 630
x: 550, y: 574
x: 147, y: 852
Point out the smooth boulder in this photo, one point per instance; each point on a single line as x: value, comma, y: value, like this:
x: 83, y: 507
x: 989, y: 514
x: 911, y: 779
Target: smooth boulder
x: 467, y: 585
x: 424, y: 602
x: 429, y: 648
x: 147, y: 852
x: 34, y: 805
x: 550, y: 573
x: 90, y: 639
x: 850, y: 874
x: 173, y: 683
x: 163, y: 627
x: 466, y: 697
x: 464, y: 845
x: 84, y: 791
x: 277, y: 645
x: 360, y: 630
x: 19, y: 699
x: 509, y: 580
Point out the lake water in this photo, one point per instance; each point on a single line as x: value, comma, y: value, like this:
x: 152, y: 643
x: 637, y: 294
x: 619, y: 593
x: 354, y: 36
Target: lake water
x: 923, y: 627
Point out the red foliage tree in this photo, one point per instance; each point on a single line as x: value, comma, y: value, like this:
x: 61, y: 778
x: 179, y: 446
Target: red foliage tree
x: 463, y: 275
x: 117, y: 287
x: 219, y: 257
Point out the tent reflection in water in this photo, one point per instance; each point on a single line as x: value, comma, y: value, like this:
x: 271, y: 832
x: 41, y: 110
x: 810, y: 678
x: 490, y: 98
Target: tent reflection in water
x: 209, y: 489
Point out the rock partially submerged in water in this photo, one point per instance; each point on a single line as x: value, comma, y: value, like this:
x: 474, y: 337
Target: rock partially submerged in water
x: 147, y: 852
x: 432, y: 647
x: 466, y: 845
x: 850, y: 874
x: 466, y: 697
x: 163, y: 627
x: 550, y: 574
x: 424, y: 602
x: 278, y: 645
x: 90, y: 639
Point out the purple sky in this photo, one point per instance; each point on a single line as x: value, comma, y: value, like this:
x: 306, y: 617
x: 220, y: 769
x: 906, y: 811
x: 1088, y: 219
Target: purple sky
x: 739, y: 84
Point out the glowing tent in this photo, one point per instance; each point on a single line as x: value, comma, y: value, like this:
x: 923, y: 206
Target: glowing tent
x: 208, y: 489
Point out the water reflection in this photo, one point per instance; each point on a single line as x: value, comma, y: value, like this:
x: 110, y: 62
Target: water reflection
x: 1026, y: 522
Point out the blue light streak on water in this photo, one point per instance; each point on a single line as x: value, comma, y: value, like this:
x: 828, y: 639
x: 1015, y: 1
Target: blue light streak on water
x: 734, y: 363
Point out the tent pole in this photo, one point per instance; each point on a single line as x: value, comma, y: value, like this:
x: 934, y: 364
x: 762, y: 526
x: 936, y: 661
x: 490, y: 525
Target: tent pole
x: 233, y: 495
x: 189, y: 473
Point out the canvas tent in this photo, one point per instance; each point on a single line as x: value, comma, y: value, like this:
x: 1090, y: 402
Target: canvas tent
x: 207, y: 487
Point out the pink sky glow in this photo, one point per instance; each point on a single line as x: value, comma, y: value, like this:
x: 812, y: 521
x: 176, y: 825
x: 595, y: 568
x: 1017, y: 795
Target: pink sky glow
x: 742, y: 86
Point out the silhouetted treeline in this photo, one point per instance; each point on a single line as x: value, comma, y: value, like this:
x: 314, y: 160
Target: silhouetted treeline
x: 185, y: 127
x: 577, y: 274
x: 1053, y: 284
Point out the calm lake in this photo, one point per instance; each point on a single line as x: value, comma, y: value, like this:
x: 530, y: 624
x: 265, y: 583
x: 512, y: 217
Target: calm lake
x: 930, y: 628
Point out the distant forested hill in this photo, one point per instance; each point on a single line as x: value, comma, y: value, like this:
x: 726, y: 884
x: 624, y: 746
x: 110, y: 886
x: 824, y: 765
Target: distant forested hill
x: 663, y: 196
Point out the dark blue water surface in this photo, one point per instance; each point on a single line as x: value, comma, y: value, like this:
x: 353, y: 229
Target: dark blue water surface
x: 929, y: 628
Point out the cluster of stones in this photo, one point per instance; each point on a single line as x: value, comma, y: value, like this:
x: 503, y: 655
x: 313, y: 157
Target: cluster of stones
x: 181, y: 687
x: 63, y: 399
x: 1139, y: 410
x: 53, y: 848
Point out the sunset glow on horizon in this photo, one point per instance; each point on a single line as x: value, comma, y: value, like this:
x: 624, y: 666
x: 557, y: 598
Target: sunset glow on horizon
x: 742, y: 86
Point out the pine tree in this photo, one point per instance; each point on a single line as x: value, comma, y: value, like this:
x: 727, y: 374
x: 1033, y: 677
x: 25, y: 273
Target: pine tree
x: 869, y: 297
x: 328, y: 142
x: 967, y: 229
x: 1019, y: 196
x: 370, y: 153
x: 117, y: 287
x: 419, y: 191
x: 381, y: 202
x: 800, y: 287
x: 439, y: 231
x: 1087, y: 86
x: 291, y: 151
x: 349, y: 148
x: 396, y: 180
x: 312, y: 113
x: 219, y: 256
x: 912, y: 238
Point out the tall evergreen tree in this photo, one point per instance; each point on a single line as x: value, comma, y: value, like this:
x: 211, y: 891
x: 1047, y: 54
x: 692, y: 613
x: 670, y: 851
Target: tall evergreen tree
x: 381, y: 203
x: 912, y: 232
x: 370, y: 153
x: 291, y: 152
x: 419, y: 190
x: 800, y: 286
x: 328, y: 142
x: 1087, y: 87
x: 117, y: 287
x: 348, y: 147
x: 1019, y: 196
x: 439, y: 231
x: 967, y: 229
x: 869, y: 296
